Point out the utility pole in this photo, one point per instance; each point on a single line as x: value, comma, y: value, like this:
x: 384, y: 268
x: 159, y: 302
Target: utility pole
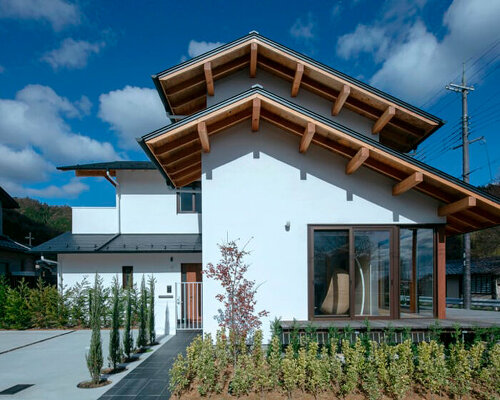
x: 464, y: 90
x: 30, y: 238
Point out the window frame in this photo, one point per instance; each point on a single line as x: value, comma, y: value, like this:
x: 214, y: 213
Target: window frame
x: 125, y: 273
x: 394, y: 269
x: 193, y: 202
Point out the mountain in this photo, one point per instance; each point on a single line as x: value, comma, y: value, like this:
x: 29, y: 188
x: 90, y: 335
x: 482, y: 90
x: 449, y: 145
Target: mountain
x: 42, y: 220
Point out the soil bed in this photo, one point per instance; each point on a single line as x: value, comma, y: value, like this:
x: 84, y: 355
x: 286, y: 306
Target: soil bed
x: 92, y: 385
x: 111, y: 371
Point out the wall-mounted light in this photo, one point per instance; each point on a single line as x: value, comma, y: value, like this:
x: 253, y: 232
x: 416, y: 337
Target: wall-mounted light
x: 287, y: 226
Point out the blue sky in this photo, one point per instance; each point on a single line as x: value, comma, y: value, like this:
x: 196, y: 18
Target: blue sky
x: 75, y: 76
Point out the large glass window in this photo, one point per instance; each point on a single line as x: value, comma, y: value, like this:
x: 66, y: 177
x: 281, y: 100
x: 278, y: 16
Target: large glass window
x: 416, y: 255
x: 331, y: 272
x: 372, y: 267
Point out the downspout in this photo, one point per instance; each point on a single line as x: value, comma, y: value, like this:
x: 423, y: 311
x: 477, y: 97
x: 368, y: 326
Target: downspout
x: 118, y: 198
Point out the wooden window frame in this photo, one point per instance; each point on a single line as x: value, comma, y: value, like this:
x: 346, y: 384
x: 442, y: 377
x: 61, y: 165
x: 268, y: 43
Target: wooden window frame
x: 193, y: 202
x: 394, y: 269
x: 124, y: 274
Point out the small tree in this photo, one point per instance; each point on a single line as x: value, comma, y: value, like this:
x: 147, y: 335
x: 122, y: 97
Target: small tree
x: 151, y: 311
x: 114, y: 333
x: 94, y: 356
x: 142, y: 340
x: 238, y: 313
x: 127, y: 334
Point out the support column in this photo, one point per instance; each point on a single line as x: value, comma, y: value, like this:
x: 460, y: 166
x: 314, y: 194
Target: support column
x: 440, y: 294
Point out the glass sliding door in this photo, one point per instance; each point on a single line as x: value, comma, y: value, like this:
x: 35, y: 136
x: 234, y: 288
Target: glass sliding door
x: 416, y: 255
x: 331, y: 273
x: 372, y: 271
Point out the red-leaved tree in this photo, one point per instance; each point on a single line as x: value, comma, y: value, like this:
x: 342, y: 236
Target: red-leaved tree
x: 238, y: 300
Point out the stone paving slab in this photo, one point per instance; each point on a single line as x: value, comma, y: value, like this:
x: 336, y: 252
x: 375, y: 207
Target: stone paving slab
x: 150, y: 379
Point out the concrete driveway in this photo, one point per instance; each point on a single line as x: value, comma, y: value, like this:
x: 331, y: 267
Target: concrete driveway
x: 54, y: 364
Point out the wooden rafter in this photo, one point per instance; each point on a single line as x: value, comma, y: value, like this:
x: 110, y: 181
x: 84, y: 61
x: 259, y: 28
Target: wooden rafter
x: 299, y: 71
x: 253, y: 59
x: 457, y: 206
x: 203, y: 135
x: 357, y: 161
x: 408, y: 183
x: 307, y: 137
x: 341, y: 99
x: 189, y: 178
x: 383, y: 120
x: 207, y: 67
x: 255, y: 114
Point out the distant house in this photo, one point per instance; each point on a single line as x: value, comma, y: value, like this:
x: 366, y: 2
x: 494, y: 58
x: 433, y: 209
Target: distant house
x: 309, y: 163
x: 16, y: 261
x: 485, y: 278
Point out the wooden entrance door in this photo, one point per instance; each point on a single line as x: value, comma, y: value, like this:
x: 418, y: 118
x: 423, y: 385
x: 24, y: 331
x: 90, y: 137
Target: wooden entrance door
x: 191, y: 295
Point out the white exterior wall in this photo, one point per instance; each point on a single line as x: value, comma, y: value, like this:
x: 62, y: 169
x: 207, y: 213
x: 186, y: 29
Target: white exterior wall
x: 255, y: 182
x: 74, y: 267
x: 239, y: 82
x: 94, y: 219
x: 144, y: 204
x: 148, y: 205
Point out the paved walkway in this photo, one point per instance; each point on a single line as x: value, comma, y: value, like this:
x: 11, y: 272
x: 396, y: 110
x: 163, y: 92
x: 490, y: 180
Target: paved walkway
x: 149, y: 381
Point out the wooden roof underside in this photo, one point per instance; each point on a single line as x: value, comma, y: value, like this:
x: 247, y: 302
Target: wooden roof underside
x: 185, y: 89
x: 178, y: 148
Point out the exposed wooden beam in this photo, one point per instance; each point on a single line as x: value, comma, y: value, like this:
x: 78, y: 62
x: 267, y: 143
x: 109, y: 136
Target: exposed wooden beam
x: 203, y: 134
x: 457, y: 206
x: 408, y: 183
x: 253, y: 60
x: 307, y: 137
x: 255, y: 114
x: 384, y: 119
x: 340, y: 100
x: 190, y: 178
x: 299, y: 71
x: 207, y: 67
x: 357, y: 161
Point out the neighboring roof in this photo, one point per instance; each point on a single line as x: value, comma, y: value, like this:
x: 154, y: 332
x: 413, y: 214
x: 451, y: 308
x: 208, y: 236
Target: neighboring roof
x: 99, y: 169
x: 6, y: 200
x: 122, y: 243
x: 489, y: 265
x: 183, y: 88
x: 176, y: 150
x: 7, y: 244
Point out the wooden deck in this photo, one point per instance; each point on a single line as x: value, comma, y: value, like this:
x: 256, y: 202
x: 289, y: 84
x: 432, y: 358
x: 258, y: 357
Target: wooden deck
x: 466, y: 319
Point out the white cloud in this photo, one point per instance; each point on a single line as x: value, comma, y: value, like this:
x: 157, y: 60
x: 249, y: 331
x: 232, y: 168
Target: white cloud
x: 69, y: 190
x: 363, y: 39
x: 196, y: 48
x: 132, y: 112
x: 73, y: 54
x: 59, y: 13
x: 304, y: 28
x: 417, y: 62
x: 24, y: 165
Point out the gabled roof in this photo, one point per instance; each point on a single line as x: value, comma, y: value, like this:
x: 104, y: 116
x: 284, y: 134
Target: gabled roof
x: 6, y: 200
x: 122, y: 243
x: 176, y: 150
x: 99, y: 169
x: 7, y: 244
x: 183, y: 88
x: 490, y: 265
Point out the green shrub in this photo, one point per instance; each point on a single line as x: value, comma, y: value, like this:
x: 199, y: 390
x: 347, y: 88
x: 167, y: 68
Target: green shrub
x: 94, y: 357
x: 399, y: 369
x: 459, y: 365
x: 151, y: 311
x: 3, y: 299
x: 488, y: 377
x: 353, y: 366
x: 316, y: 380
x: 17, y: 312
x: 206, y: 372
x: 78, y: 297
x: 114, y: 333
x: 370, y: 381
x: 274, y: 362
x: 46, y: 306
x: 128, y: 342
x: 242, y: 381
x: 179, y: 377
x: 335, y: 373
x: 260, y: 365
x: 142, y: 340
x: 289, y: 371
x: 431, y: 370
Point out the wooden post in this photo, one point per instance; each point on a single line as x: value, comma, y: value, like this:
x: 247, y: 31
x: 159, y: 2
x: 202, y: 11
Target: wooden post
x: 440, y: 294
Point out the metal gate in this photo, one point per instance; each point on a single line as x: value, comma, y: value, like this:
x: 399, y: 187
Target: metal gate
x: 189, y: 305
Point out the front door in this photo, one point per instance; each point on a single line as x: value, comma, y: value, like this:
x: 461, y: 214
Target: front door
x: 190, y: 297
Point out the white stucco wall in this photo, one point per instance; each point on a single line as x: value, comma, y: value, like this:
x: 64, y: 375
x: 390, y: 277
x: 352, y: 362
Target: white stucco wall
x: 148, y: 205
x: 254, y: 183
x: 94, y: 219
x: 241, y: 81
x: 74, y: 267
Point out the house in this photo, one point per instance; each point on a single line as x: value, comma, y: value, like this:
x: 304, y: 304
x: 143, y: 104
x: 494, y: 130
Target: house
x: 16, y: 261
x: 485, y: 278
x: 307, y: 165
